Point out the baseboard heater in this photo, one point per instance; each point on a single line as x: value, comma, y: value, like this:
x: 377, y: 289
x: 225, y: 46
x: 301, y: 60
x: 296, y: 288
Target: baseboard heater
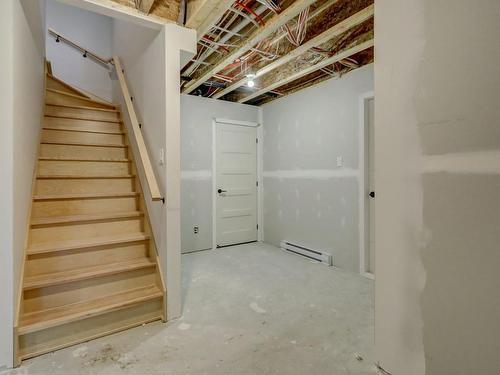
x: 317, y: 255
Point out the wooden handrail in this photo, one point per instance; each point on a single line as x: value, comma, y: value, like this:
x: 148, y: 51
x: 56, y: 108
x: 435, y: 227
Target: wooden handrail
x: 137, y: 134
x: 85, y: 51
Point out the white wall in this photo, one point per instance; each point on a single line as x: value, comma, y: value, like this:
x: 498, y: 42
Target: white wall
x: 437, y: 142
x: 197, y: 114
x: 151, y: 60
x: 307, y: 198
x: 88, y: 29
x: 21, y: 109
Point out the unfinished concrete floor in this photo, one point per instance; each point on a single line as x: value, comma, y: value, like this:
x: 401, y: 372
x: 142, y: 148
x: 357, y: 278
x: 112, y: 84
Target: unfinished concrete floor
x: 249, y: 309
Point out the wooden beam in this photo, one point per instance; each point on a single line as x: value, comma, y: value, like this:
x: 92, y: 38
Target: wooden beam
x: 325, y: 36
x: 260, y: 34
x: 144, y: 5
x: 339, y: 56
x: 113, y: 9
x: 202, y: 15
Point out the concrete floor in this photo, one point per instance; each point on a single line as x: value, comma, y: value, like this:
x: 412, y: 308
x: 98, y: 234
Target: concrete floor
x: 249, y: 309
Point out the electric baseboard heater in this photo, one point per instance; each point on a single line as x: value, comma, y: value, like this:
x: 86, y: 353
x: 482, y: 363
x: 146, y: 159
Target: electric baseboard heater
x: 317, y: 255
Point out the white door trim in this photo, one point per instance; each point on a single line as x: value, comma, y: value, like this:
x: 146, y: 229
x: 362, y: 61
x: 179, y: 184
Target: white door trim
x: 362, y: 186
x: 260, y: 203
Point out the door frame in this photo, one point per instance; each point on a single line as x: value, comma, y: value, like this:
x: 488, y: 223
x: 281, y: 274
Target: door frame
x: 364, y: 228
x: 260, y: 187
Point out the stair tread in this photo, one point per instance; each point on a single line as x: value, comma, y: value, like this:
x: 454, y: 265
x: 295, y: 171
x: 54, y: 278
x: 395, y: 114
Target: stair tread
x: 68, y: 143
x: 83, y: 107
x: 45, y: 158
x: 84, y: 119
x: 82, y: 243
x: 44, y: 319
x: 66, y: 129
x: 68, y: 276
x: 84, y: 196
x: 68, y: 176
x: 77, y: 96
x: 83, y: 218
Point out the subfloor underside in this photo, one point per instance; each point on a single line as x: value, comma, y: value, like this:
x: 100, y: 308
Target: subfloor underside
x: 249, y: 309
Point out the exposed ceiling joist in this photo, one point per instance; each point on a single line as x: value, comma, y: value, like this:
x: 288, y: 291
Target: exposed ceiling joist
x: 332, y: 32
x: 144, y: 5
x: 322, y: 64
x: 260, y: 34
x: 202, y: 15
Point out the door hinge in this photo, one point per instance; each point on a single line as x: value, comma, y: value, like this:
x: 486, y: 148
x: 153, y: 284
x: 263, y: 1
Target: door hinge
x: 256, y: 140
x: 256, y: 183
x: 257, y: 226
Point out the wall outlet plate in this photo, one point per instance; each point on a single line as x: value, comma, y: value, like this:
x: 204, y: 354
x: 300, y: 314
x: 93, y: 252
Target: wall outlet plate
x: 340, y: 161
x: 196, y: 230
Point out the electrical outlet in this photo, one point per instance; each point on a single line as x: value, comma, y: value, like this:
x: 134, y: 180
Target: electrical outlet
x: 196, y: 230
x: 340, y: 161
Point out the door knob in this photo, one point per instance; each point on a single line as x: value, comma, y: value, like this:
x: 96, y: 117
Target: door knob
x: 371, y: 194
x: 220, y: 191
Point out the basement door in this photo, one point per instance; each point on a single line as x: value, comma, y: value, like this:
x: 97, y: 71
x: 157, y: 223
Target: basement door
x: 236, y: 184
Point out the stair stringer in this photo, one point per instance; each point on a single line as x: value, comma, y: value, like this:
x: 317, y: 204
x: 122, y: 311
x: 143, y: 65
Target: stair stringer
x: 94, y: 326
x: 19, y: 306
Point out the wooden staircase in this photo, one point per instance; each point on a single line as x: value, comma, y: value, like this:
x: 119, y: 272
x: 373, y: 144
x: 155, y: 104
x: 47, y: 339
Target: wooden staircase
x: 91, y: 267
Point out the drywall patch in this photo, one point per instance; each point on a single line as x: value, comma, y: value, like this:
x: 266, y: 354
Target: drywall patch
x: 480, y: 162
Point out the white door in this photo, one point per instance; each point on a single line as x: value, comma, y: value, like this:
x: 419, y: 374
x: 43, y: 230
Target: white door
x: 236, y: 184
x: 371, y: 184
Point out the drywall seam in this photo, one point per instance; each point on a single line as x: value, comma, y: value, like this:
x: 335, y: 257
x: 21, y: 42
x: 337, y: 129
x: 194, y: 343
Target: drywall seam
x: 203, y: 174
x: 236, y: 122
x: 312, y: 173
x: 479, y: 162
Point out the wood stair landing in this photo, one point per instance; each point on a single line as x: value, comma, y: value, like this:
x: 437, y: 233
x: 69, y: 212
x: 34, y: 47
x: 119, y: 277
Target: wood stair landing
x: 91, y: 267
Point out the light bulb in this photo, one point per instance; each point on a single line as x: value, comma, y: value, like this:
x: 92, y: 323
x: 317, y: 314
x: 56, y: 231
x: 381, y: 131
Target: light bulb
x: 251, y: 83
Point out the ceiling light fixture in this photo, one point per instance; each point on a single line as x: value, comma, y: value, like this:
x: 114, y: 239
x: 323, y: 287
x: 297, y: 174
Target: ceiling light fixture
x: 250, y: 82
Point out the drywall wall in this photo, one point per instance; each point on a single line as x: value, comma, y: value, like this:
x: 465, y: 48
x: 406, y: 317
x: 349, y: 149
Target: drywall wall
x: 197, y: 115
x: 437, y: 143
x: 151, y: 60
x: 21, y: 109
x: 6, y: 188
x: 89, y: 30
x: 308, y: 199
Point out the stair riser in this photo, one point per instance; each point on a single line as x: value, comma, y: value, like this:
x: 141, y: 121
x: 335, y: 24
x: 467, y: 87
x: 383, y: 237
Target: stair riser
x: 84, y: 125
x: 85, y: 230
x: 60, y: 295
x: 83, y: 206
x: 74, y: 259
x: 70, y: 136
x: 61, y: 99
x: 53, y: 84
x: 83, y: 168
x: 51, y: 339
x: 69, y: 151
x: 83, y: 186
x: 79, y: 113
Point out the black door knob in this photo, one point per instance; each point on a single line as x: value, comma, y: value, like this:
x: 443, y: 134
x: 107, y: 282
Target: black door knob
x: 372, y: 194
x: 220, y: 191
